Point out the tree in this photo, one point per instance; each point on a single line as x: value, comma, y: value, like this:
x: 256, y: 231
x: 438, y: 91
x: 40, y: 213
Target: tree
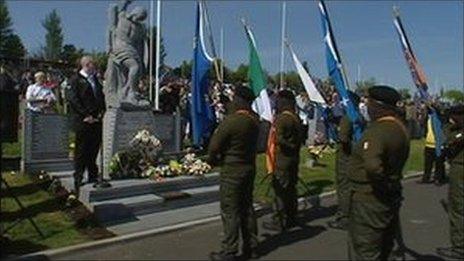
x: 404, y: 92
x: 293, y: 81
x: 362, y: 86
x: 100, y: 59
x: 53, y: 37
x: 10, y: 44
x: 184, y: 70
x: 240, y: 75
x: 455, y: 96
x: 13, y: 47
x: 70, y: 54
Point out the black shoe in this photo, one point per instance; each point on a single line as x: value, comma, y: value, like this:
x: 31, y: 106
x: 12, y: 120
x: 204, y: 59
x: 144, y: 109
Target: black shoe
x: 292, y: 223
x: 439, y: 183
x: 222, y: 256
x: 250, y: 254
x: 337, y: 224
x: 274, y: 226
x: 451, y: 252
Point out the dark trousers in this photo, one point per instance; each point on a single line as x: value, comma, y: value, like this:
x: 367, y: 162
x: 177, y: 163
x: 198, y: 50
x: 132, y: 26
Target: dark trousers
x: 88, y: 140
x: 456, y: 205
x: 237, y: 213
x: 372, y: 230
x: 343, y: 186
x: 286, y: 198
x: 431, y: 159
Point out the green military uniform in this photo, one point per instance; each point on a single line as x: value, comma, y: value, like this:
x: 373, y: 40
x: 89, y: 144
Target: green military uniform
x: 455, y: 155
x: 341, y: 168
x: 456, y: 188
x: 288, y: 143
x: 375, y: 172
x: 234, y: 143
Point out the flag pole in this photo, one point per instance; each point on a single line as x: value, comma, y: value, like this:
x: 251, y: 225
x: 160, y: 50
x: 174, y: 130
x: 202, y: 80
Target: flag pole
x: 158, y: 42
x: 282, y: 44
x: 222, y: 53
x: 150, y: 62
x: 211, y: 42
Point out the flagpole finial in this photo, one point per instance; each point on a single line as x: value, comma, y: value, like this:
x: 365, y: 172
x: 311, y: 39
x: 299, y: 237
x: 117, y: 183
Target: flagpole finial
x: 396, y: 11
x: 286, y: 42
x: 243, y: 20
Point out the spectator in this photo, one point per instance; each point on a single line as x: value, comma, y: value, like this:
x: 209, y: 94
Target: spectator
x: 38, y: 97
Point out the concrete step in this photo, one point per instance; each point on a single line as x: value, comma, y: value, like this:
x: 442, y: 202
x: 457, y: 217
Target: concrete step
x: 116, y: 211
x: 137, y: 187
x: 57, y: 165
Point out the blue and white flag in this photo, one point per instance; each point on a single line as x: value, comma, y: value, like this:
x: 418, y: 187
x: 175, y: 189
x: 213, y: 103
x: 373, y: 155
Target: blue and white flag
x: 419, y: 79
x: 202, y: 113
x: 334, y: 66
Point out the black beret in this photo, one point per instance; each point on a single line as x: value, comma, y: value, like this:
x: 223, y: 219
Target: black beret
x: 384, y: 94
x: 354, y: 97
x: 245, y: 93
x: 456, y: 110
x: 286, y: 94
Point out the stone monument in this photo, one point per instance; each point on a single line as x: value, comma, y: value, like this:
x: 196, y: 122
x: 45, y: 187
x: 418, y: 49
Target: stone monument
x: 129, y: 111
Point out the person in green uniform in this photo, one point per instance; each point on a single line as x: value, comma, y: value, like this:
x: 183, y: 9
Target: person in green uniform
x: 234, y: 146
x: 375, y: 173
x: 345, y: 136
x: 455, y: 156
x: 287, y: 156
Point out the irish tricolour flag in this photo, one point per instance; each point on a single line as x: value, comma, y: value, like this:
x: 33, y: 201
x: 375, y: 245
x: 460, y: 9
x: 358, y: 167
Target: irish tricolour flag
x: 257, y: 81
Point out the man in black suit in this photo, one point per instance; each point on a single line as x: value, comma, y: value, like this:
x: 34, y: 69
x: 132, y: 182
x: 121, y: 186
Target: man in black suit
x: 87, y: 103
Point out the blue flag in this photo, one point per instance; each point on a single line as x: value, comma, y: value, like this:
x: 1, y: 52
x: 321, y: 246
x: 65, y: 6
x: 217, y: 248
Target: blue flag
x: 334, y: 66
x: 420, y: 81
x: 202, y: 113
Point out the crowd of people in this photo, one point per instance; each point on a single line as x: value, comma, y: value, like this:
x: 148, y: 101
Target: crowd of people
x: 368, y: 168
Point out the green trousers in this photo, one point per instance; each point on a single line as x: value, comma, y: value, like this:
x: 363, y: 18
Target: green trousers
x: 343, y: 185
x: 286, y: 198
x: 237, y: 213
x: 456, y: 204
x: 372, y: 229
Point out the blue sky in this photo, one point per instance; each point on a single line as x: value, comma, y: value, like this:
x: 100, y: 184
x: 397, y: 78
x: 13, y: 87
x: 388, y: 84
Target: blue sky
x: 363, y: 29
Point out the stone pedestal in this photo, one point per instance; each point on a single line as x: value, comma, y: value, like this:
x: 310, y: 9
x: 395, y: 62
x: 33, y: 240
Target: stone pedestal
x: 45, y: 142
x: 120, y: 126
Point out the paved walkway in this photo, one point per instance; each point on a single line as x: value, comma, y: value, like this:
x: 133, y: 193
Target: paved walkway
x: 425, y: 226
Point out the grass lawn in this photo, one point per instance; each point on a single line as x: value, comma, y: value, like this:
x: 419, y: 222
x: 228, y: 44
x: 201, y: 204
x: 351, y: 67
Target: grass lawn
x: 321, y: 178
x: 60, y: 226
x: 11, y: 149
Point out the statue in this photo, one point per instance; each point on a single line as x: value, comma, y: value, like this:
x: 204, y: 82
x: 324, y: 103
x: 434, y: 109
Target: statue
x: 127, y: 56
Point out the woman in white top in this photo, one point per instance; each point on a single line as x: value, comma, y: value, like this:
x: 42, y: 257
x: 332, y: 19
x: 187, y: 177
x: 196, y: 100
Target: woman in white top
x: 38, y: 97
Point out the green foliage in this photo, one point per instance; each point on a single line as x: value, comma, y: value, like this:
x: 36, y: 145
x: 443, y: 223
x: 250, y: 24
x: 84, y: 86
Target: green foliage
x: 100, y: 59
x: 240, y: 75
x: 53, y: 37
x: 71, y: 55
x: 454, y: 95
x: 184, y: 70
x: 363, y: 85
x: 10, y: 43
x: 292, y: 81
x: 405, y: 94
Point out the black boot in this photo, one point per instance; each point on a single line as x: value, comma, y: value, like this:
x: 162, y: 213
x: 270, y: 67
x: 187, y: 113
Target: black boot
x: 274, y: 226
x: 222, y: 256
x: 340, y: 223
x: 451, y: 252
x: 250, y: 254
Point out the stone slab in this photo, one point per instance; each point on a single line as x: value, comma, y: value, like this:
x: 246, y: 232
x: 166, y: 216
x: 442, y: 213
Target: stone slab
x: 134, y: 187
x: 120, y: 126
x: 46, y: 142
